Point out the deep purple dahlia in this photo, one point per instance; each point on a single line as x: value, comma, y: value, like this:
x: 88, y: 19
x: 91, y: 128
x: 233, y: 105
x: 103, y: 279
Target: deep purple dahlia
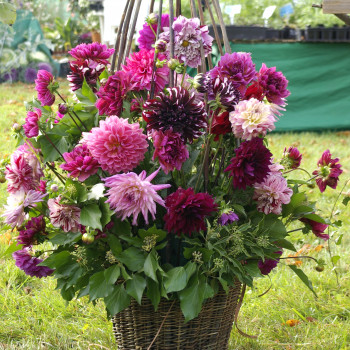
x: 291, y: 158
x: 251, y: 163
x: 187, y: 211
x: 176, y: 110
x: 224, y: 93
x: 33, y: 228
x: 81, y: 70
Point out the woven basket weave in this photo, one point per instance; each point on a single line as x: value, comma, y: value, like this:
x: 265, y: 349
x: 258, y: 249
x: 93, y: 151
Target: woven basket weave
x: 135, y: 327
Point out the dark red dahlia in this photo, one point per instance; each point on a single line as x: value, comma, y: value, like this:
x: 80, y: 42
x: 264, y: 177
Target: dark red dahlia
x: 250, y: 164
x: 112, y: 94
x: 254, y: 91
x: 187, y: 211
x: 223, y: 92
x: 177, y: 110
x: 328, y: 171
x: 34, y: 228
x: 221, y: 124
x: 317, y: 228
x: 268, y: 265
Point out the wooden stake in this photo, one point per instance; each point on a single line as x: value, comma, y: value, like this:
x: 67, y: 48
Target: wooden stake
x: 178, y: 8
x: 216, y: 33
x: 201, y: 16
x: 222, y: 25
x: 151, y: 7
x: 171, y: 32
x: 133, y: 26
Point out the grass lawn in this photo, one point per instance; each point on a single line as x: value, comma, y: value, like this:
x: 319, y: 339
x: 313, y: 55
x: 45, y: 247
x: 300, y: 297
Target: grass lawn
x: 34, y: 316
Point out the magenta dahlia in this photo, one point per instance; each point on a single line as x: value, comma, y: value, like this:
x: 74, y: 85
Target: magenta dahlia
x: 328, y: 171
x: 291, y: 158
x: 170, y: 150
x: 176, y: 110
x: 237, y: 67
x: 317, y: 228
x: 94, y: 53
x: 187, y: 210
x: 132, y: 194
x: 112, y: 94
x: 268, y: 265
x: 30, y: 264
x: 251, y: 163
x: 272, y: 193
x: 140, y: 66
x: 64, y: 216
x: 31, y: 125
x: 116, y: 145
x: 45, y: 86
x: 79, y: 163
x: 33, y: 229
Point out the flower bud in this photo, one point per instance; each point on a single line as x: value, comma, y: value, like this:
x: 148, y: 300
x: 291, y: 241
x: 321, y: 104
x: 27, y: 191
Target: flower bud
x: 54, y: 188
x: 88, y: 238
x: 160, y: 64
x: 16, y: 127
x: 152, y: 18
x: 160, y: 46
x: 319, y: 268
x: 173, y: 63
x: 2, y: 178
x: 62, y: 108
x: 201, y: 82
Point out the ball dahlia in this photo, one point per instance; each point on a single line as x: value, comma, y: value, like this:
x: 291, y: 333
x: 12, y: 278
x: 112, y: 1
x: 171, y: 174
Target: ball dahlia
x: 116, y: 145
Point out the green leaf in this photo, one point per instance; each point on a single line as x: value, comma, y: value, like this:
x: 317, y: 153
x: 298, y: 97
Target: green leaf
x: 190, y: 268
x: 188, y: 165
x: 99, y: 288
x: 315, y: 217
x: 335, y: 259
x: 161, y: 234
x: 339, y: 239
x: 135, y: 287
x: 87, y: 92
x: 66, y: 238
x: 133, y: 258
x: 346, y: 200
x: 112, y: 274
x: 106, y: 212
x: 176, y: 279
x: 49, y: 151
x: 114, y: 244
x: 12, y: 248
x: 79, y: 193
x: 90, y: 215
x: 7, y: 13
x: 303, y: 277
x: 118, y: 300
x: 151, y: 266
x: 104, y: 75
x: 283, y: 243
x: 153, y: 292
x: 296, y: 200
x: 55, y: 260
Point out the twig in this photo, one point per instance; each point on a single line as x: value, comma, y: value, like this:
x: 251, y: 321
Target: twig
x: 216, y: 33
x: 151, y: 7
x: 178, y: 8
x: 171, y: 38
x: 52, y: 144
x: 56, y: 173
x: 222, y: 25
x: 131, y: 35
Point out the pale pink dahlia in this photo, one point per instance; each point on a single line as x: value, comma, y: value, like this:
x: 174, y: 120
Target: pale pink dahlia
x: 116, y: 144
x: 80, y: 163
x: 252, y: 118
x: 272, y: 193
x: 33, y: 158
x: 64, y: 216
x: 132, y: 194
x: 170, y: 150
x: 140, y: 65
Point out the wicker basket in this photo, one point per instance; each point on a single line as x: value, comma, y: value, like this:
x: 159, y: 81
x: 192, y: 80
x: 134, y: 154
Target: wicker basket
x: 135, y: 327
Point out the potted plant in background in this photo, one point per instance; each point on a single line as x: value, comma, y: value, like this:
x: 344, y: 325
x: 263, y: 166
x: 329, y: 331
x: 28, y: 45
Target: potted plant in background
x: 155, y: 191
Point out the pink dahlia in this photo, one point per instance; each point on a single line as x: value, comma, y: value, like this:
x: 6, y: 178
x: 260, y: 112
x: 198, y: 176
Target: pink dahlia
x: 80, y: 70
x: 252, y: 118
x: 30, y: 264
x: 94, y: 53
x: 251, y: 163
x: 116, y: 144
x: 328, y: 171
x: 140, y: 66
x: 274, y: 85
x: 187, y: 211
x: 291, y: 158
x: 45, y: 86
x: 79, y: 163
x: 170, y: 150
x: 189, y: 35
x: 112, y: 94
x: 64, y: 216
x: 238, y: 68
x: 317, y: 228
x: 146, y: 35
x: 16, y: 203
x: 272, y: 193
x: 33, y: 229
x: 132, y: 194
x: 31, y: 126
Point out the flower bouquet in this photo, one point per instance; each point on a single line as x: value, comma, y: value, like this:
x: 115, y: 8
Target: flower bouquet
x: 149, y: 185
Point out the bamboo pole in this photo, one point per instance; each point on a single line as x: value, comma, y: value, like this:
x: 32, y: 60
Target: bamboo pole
x: 133, y: 26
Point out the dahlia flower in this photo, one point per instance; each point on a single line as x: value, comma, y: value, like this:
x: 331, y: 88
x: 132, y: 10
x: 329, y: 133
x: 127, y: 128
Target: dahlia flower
x: 146, y: 36
x: 268, y: 265
x: 132, y: 194
x: 291, y: 158
x: 227, y: 218
x: 272, y: 193
x: 169, y: 149
x: 30, y: 264
x: 42, y: 186
x: 64, y: 216
x: 220, y: 125
x: 81, y: 70
x: 251, y: 163
x: 116, y: 144
x: 202, y: 82
x: 16, y: 203
x: 186, y: 211
x: 328, y: 171
x: 112, y: 94
x: 274, y: 85
x: 224, y: 93
x: 317, y: 228
x: 79, y: 163
x: 44, y: 85
x: 252, y: 118
x: 34, y: 227
x: 31, y: 126
x: 140, y: 66
x: 237, y: 67
x: 189, y: 35
x: 178, y: 111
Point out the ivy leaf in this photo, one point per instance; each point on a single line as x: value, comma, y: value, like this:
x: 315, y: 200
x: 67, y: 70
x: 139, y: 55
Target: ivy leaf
x: 151, y: 266
x: 135, y: 287
x: 56, y: 260
x: 112, y: 274
x: 90, y: 215
x: 133, y: 258
x: 118, y: 300
x: 304, y: 278
x: 335, y: 259
x: 176, y: 279
x: 99, y: 288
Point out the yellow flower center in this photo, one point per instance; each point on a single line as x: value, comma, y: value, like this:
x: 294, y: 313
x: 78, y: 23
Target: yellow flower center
x: 185, y: 43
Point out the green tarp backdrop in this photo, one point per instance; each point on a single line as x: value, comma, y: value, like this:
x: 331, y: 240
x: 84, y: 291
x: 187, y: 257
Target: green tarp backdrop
x: 319, y: 82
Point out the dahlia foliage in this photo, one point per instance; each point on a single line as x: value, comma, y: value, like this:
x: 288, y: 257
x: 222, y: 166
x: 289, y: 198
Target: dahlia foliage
x: 168, y: 188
